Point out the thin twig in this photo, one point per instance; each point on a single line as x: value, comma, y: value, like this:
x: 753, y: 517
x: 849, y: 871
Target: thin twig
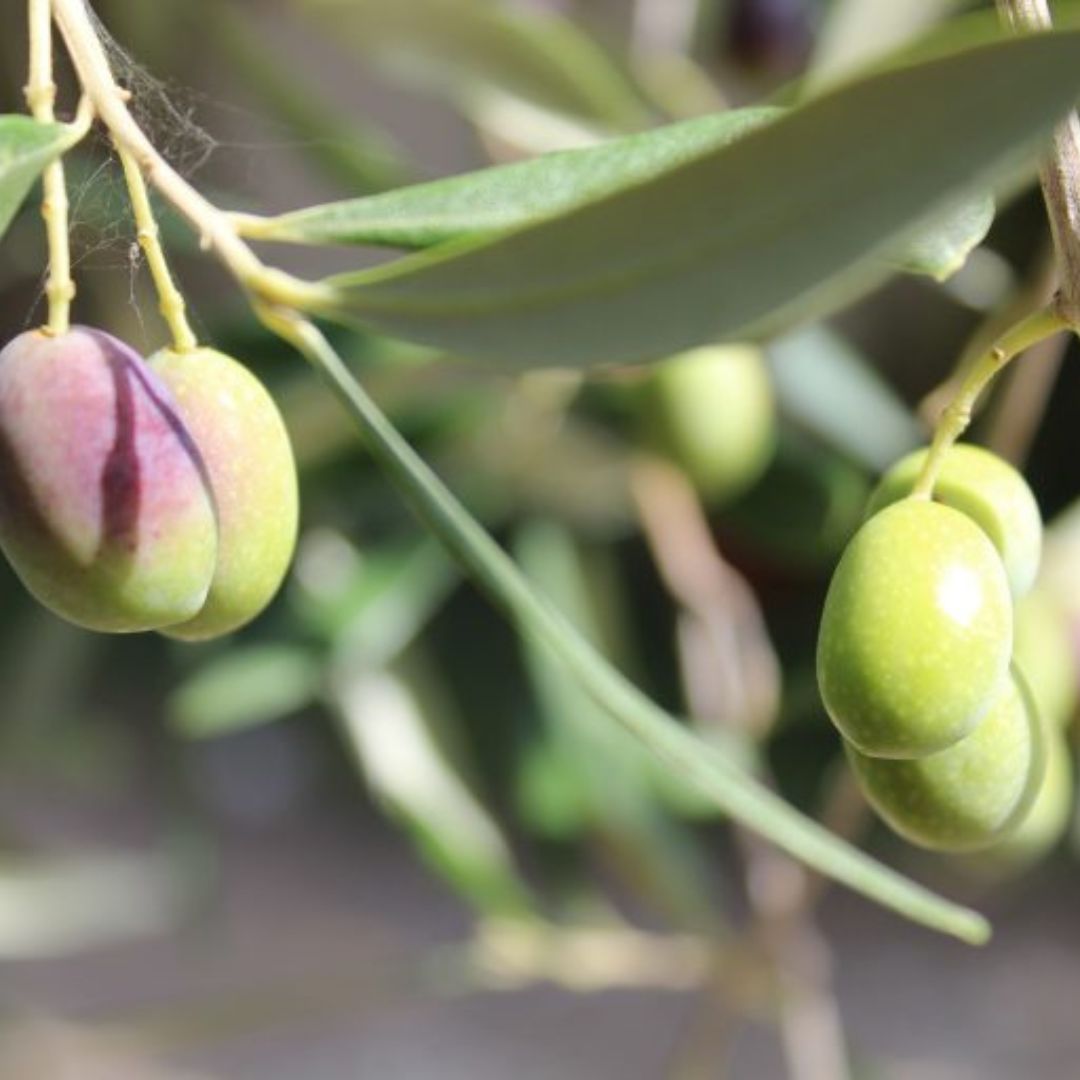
x: 41, y: 98
x: 170, y: 299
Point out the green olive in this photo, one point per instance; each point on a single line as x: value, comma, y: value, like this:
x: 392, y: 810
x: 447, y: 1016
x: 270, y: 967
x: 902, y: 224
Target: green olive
x: 1043, y: 648
x: 916, y: 632
x: 966, y: 797
x: 716, y: 416
x: 990, y: 491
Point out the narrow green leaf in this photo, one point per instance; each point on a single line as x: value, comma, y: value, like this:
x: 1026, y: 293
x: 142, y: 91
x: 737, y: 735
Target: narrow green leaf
x: 733, y: 790
x: 471, y: 47
x: 791, y: 220
x: 827, y: 387
x: 856, y: 32
x: 508, y: 196
x: 243, y: 688
x: 377, y: 604
x: 410, y: 775
x: 26, y: 147
x: 348, y: 150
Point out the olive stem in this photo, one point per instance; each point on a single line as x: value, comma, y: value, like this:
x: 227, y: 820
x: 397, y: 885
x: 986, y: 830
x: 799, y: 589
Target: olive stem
x: 41, y: 98
x: 216, y: 230
x: 170, y: 300
x: 956, y: 416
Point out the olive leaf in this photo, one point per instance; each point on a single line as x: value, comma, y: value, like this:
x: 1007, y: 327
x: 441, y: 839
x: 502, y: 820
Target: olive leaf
x: 505, y: 197
x: 826, y: 386
x: 26, y: 147
x: 790, y: 221
x: 408, y: 772
x: 244, y: 688
x: 470, y: 48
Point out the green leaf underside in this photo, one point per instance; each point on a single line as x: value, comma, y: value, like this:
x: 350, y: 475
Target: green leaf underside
x: 791, y: 220
x: 505, y: 197
x: 26, y: 147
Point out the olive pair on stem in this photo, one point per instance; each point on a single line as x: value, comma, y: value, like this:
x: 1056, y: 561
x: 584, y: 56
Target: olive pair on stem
x: 916, y: 654
x: 138, y: 494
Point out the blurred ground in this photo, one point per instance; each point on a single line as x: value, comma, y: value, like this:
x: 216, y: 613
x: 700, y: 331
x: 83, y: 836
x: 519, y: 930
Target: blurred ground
x: 302, y: 969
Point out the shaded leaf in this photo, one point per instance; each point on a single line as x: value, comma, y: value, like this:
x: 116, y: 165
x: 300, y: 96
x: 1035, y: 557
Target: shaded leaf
x: 372, y: 604
x: 356, y: 154
x: 410, y: 775
x: 472, y: 47
x: 26, y: 147
x: 856, y: 32
x: 825, y: 385
x: 243, y: 688
x: 743, y: 239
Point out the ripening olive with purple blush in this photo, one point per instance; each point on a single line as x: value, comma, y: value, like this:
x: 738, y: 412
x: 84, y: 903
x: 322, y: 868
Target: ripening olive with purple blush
x: 106, y: 510
x: 250, y: 462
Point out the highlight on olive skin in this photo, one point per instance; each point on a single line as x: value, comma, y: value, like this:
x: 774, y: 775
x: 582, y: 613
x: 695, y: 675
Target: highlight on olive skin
x: 252, y: 471
x: 916, y: 632
x: 106, y: 510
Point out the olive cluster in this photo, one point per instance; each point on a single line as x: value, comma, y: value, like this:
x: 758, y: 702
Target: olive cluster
x: 140, y: 494
x: 916, y: 660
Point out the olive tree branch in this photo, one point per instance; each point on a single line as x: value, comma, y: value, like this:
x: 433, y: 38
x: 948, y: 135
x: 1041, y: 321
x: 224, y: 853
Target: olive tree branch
x: 1060, y: 174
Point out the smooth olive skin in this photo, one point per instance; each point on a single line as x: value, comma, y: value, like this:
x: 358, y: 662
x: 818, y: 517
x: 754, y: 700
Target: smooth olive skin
x: 1043, y: 648
x: 716, y: 416
x: 990, y: 491
x: 106, y: 512
x: 968, y: 796
x: 253, y: 474
x: 916, y: 631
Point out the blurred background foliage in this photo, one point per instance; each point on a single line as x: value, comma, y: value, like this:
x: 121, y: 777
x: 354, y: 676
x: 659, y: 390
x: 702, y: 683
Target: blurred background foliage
x: 379, y: 681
